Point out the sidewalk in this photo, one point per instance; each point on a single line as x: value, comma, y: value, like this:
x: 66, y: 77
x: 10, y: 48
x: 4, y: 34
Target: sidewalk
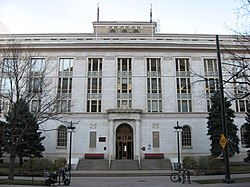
x: 137, y: 173
x: 139, y: 178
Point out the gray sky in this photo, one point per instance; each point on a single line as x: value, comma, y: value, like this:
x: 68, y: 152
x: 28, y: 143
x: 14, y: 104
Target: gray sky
x: 76, y: 16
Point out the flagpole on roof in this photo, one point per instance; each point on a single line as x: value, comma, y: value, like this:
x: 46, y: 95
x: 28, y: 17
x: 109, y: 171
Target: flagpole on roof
x: 151, y: 14
x: 97, y: 12
x: 97, y: 21
x: 151, y: 21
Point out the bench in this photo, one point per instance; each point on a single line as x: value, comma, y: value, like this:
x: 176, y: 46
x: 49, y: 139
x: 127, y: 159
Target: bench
x: 154, y: 156
x: 93, y: 156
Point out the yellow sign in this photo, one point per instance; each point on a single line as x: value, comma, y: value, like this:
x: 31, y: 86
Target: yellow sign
x: 223, y: 141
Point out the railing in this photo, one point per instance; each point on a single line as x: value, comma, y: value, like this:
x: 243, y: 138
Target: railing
x: 109, y: 161
x: 139, y: 162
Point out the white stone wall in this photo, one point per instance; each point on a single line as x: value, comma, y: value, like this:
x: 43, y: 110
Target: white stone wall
x: 148, y: 122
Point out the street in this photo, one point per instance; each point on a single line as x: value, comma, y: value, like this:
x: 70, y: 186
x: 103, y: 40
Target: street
x: 155, y: 181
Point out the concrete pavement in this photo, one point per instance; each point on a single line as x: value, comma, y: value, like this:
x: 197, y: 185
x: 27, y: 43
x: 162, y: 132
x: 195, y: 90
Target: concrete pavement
x: 152, y: 178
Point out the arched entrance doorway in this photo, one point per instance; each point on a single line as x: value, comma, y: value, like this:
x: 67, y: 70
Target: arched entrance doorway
x: 124, y: 142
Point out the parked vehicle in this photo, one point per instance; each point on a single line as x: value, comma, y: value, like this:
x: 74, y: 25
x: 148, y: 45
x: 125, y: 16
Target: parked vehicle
x: 60, y: 176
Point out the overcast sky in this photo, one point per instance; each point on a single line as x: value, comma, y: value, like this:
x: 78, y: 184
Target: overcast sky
x: 76, y: 16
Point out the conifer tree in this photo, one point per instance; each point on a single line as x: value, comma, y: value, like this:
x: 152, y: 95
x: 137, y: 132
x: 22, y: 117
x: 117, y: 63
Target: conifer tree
x: 21, y: 136
x: 214, y: 126
x: 1, y: 138
x: 247, y: 132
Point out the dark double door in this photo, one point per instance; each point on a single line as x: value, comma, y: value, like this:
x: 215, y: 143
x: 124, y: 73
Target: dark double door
x: 124, y: 142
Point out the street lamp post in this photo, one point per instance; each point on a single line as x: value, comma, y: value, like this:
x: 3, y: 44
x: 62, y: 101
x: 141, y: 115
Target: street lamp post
x: 71, y: 128
x: 178, y: 129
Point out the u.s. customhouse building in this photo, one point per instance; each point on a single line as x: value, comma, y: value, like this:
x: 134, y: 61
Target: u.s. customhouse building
x: 125, y: 87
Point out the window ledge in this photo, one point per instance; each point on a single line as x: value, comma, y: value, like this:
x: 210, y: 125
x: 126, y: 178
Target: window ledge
x: 187, y: 147
x: 61, y: 147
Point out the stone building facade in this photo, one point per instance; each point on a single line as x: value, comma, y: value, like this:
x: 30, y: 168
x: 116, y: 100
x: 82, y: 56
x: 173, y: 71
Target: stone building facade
x: 126, y: 87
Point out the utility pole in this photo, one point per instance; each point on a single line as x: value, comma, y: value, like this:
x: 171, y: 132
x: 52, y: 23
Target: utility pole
x: 223, y: 114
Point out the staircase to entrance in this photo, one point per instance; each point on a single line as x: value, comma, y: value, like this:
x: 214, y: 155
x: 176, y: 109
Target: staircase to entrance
x: 124, y: 165
x: 145, y: 164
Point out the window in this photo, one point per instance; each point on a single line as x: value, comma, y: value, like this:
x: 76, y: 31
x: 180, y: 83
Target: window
x: 156, y: 139
x: 93, y: 106
x: 242, y: 132
x: 35, y: 104
x: 182, y: 64
x: 4, y: 105
x: 154, y: 85
x: 241, y: 105
x: 211, y: 85
x: 92, y: 139
x: 35, y: 85
x: 62, y: 136
x: 124, y: 83
x: 94, y: 95
x: 66, y: 65
x: 183, y: 85
x: 6, y: 85
x: 211, y: 78
x: 38, y: 65
x: 210, y: 67
x: 65, y: 84
x: 186, y: 136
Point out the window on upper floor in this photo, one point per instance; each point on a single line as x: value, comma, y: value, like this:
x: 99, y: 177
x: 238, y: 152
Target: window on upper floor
x: 183, y: 85
x: 124, y: 82
x: 94, y: 94
x: 154, y: 95
x: 65, y: 84
x: 211, y: 78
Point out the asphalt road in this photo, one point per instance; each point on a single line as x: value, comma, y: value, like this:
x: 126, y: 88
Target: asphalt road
x: 156, y: 181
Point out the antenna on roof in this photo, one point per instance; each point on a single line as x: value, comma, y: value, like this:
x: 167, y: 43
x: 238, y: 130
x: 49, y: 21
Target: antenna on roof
x: 97, y: 12
x: 151, y: 14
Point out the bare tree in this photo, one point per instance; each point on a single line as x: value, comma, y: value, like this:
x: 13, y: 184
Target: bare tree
x: 24, y: 76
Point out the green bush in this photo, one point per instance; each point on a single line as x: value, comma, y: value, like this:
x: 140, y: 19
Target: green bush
x: 43, y: 164
x: 202, y: 163
x: 59, y: 163
x: 209, y: 162
x: 38, y: 165
x: 189, y: 162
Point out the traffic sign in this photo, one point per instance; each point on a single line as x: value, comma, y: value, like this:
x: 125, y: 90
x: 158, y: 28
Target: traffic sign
x: 223, y: 141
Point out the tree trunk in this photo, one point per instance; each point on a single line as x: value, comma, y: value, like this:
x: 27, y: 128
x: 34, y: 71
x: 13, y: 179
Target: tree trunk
x: 20, y: 161
x: 12, y: 167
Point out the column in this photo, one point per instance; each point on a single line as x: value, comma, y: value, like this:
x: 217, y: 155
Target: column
x: 111, y: 138
x: 137, y: 139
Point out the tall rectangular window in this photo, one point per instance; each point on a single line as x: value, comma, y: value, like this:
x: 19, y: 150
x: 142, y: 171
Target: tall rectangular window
x: 65, y: 84
x: 92, y: 139
x: 94, y: 96
x: 156, y: 139
x: 154, y: 95
x: 124, y: 82
x: 241, y: 86
x: 184, y: 97
x: 6, y: 83
x: 211, y: 79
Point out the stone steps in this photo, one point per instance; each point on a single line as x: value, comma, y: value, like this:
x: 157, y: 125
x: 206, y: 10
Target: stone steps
x: 93, y: 164
x: 155, y: 164
x: 124, y: 165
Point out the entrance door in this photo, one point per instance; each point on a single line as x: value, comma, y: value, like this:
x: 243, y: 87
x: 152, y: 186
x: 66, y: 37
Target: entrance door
x: 124, y: 142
